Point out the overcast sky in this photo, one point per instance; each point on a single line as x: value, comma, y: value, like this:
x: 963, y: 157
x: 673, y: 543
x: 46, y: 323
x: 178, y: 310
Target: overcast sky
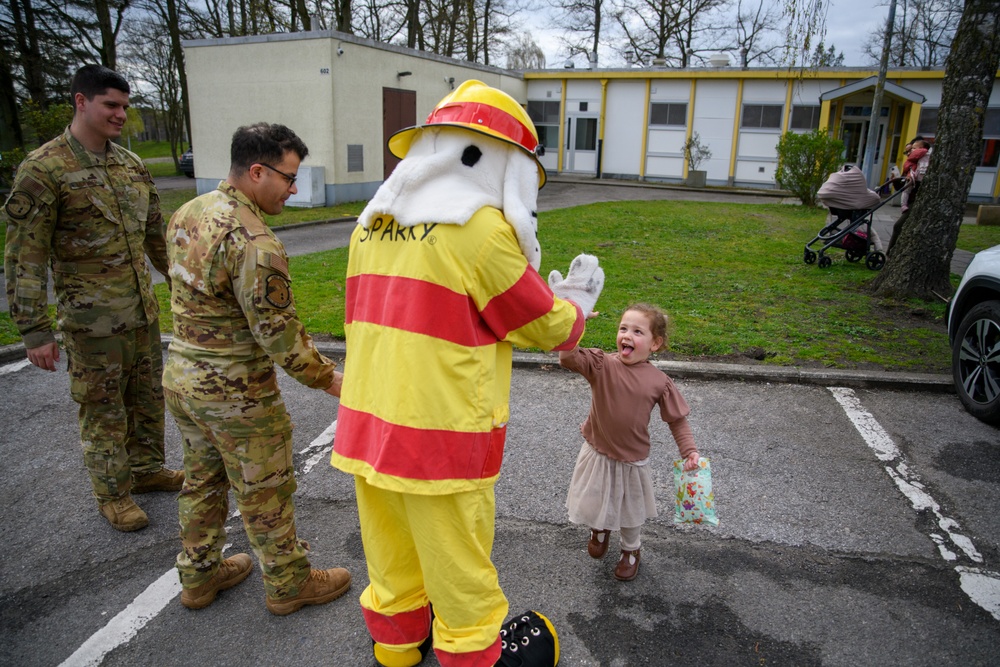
x: 847, y: 26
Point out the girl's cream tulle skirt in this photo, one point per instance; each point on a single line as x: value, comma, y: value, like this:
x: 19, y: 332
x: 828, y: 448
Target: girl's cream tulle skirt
x: 606, y: 494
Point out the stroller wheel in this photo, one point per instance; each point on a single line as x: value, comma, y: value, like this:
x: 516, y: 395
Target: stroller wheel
x: 875, y: 261
x: 825, y: 262
x: 853, y: 256
x: 809, y: 257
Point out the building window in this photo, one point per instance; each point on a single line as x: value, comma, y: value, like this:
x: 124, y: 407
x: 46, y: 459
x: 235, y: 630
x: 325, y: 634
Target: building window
x: 991, y: 139
x: 805, y: 118
x: 927, y: 126
x: 586, y: 134
x: 762, y: 116
x: 545, y: 116
x: 668, y: 114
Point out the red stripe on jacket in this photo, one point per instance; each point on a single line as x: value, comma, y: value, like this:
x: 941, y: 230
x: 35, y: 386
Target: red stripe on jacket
x: 427, y: 454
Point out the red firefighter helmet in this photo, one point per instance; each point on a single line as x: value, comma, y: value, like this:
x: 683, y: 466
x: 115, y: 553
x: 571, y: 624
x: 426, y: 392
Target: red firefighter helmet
x: 480, y: 108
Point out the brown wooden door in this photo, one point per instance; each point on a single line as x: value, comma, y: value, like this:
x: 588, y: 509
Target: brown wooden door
x: 399, y: 110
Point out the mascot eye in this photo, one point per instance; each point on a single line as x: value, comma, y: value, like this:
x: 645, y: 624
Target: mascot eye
x: 471, y: 155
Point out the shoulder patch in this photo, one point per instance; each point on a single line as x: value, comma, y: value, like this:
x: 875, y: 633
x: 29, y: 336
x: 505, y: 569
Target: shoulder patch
x: 277, y: 291
x: 19, y: 205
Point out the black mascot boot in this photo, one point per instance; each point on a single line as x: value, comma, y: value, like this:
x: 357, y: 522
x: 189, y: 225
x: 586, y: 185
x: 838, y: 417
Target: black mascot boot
x: 528, y: 640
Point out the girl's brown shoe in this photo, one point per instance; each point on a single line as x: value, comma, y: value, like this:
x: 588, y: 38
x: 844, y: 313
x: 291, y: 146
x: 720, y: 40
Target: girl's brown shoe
x: 597, y: 547
x: 628, y: 566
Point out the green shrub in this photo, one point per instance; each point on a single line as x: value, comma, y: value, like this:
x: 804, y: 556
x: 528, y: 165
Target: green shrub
x: 805, y: 161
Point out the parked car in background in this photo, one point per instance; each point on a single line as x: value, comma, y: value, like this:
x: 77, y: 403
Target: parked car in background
x: 974, y: 333
x: 187, y: 163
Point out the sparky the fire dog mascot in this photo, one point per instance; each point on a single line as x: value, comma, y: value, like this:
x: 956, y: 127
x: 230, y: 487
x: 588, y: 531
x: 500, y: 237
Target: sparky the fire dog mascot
x: 442, y: 280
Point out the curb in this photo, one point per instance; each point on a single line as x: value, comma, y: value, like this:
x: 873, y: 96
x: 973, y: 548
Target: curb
x: 694, y: 370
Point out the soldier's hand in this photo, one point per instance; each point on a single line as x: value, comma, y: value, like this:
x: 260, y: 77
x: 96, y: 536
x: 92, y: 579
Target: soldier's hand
x: 338, y: 384
x: 45, y: 356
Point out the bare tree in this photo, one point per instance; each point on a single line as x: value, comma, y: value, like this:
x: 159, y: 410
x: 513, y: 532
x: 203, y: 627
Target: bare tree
x: 149, y: 47
x: 523, y: 53
x: 381, y: 21
x: 649, y: 27
x: 920, y: 264
x: 922, y: 33
x: 90, y: 26
x: 581, y: 21
x: 756, y: 27
x: 696, y: 29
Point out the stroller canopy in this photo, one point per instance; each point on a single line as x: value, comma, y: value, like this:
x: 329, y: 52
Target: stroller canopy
x: 847, y: 189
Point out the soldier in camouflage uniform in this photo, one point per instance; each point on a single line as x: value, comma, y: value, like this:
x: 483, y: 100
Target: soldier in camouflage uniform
x: 234, y: 318
x: 87, y: 208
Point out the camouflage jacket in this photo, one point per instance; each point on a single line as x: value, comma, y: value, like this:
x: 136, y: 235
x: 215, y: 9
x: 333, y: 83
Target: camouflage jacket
x: 231, y: 299
x: 92, y: 221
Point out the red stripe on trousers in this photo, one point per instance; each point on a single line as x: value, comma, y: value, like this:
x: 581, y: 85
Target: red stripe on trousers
x: 403, y: 628
x: 485, y: 658
x: 413, y: 453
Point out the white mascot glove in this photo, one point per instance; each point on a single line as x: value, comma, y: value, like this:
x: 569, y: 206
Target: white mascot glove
x: 583, y: 284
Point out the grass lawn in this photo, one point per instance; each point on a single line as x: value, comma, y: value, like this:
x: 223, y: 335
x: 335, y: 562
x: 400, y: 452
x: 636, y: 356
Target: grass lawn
x: 730, y: 276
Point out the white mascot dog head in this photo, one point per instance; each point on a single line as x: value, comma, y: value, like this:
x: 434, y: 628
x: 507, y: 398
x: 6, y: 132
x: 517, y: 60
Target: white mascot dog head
x: 477, y: 148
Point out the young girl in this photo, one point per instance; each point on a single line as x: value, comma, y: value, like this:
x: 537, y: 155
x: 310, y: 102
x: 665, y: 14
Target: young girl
x: 611, y: 487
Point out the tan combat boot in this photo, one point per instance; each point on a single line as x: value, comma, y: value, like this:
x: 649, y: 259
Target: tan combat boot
x: 124, y: 515
x: 231, y: 571
x: 163, y: 479
x: 321, y: 587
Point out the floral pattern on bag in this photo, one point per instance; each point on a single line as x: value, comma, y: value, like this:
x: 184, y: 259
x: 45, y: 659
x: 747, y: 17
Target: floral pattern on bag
x: 694, y: 501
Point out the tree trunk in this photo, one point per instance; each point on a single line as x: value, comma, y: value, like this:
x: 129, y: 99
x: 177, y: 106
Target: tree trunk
x: 10, y: 127
x: 173, y: 25
x: 30, y: 56
x: 108, y: 50
x: 920, y: 265
x: 344, y: 16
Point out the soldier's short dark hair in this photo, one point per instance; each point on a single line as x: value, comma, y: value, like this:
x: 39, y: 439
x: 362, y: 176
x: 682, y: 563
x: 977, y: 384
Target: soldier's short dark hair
x: 94, y: 80
x: 263, y: 143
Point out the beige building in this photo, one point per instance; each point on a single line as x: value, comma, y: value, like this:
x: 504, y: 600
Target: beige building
x: 346, y: 95
x: 343, y: 95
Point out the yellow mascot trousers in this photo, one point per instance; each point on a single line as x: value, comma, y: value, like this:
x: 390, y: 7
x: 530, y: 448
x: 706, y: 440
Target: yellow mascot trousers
x: 432, y: 550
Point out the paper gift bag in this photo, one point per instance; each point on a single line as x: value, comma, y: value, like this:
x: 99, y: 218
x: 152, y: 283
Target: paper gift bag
x: 694, y: 501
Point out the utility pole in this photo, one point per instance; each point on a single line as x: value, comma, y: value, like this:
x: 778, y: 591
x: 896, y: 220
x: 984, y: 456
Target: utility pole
x: 868, y: 164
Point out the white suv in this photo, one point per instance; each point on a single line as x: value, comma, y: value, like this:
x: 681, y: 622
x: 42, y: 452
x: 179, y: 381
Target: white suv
x: 974, y: 332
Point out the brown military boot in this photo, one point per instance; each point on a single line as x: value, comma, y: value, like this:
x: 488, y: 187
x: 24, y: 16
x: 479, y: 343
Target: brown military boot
x: 231, y: 571
x: 321, y: 587
x: 163, y: 479
x: 124, y: 515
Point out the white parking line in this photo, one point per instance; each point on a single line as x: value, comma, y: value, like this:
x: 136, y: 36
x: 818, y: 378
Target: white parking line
x: 158, y: 595
x: 323, y: 442
x: 127, y: 623
x: 982, y: 586
x: 14, y: 367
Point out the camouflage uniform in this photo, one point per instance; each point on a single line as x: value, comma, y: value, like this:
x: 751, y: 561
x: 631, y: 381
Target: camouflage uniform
x: 234, y: 317
x: 93, y: 219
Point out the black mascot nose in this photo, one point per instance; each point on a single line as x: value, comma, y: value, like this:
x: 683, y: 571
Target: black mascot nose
x: 471, y: 155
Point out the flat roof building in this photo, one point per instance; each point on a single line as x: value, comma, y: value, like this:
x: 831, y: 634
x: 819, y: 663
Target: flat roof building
x: 345, y: 96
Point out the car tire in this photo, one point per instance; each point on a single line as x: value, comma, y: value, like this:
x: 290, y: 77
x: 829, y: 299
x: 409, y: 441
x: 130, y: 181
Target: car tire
x: 975, y: 361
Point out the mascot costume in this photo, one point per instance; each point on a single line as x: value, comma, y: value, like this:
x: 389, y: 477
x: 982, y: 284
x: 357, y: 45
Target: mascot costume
x: 442, y: 281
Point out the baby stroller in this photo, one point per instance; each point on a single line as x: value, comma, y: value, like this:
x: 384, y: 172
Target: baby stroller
x: 852, y: 205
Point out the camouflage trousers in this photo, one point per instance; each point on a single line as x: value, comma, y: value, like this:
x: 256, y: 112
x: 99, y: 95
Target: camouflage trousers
x: 246, y: 446
x: 116, y: 382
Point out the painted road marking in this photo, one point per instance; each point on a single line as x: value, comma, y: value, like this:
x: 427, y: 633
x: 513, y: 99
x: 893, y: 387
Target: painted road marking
x: 982, y: 586
x: 127, y: 623
x: 324, y: 443
x: 158, y: 595
x: 14, y: 367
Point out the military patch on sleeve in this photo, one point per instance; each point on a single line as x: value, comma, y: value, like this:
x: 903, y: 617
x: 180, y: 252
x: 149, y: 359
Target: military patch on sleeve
x: 277, y: 291
x: 19, y: 205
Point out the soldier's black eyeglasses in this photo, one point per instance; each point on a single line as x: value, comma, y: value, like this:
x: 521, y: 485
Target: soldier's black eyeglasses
x: 290, y: 179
